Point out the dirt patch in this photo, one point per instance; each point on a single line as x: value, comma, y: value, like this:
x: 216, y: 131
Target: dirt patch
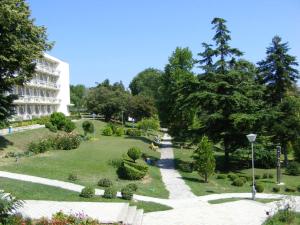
x: 146, y: 180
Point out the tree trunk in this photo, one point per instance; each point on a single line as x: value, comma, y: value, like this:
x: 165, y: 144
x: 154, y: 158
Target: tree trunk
x: 205, y: 177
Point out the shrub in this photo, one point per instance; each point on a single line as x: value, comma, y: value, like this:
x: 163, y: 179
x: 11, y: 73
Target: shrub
x: 113, y: 127
x: 88, y: 127
x: 110, y: 192
x: 221, y: 176
x: 116, y: 163
x: 119, y: 131
x: 41, y: 146
x: 293, y: 169
x: 232, y: 176
x: 69, y: 126
x: 298, y: 188
x: 185, y: 167
x: 58, y: 120
x: 107, y: 131
x: 276, y: 189
x: 257, y: 177
x: 138, y: 166
x: 290, y: 189
x: 134, y: 153
x: 105, y: 182
x: 72, y: 177
x: 87, y: 192
x: 238, y: 182
x: 67, y: 141
x: 265, y: 158
x: 265, y: 175
x: 243, y: 179
x: 133, y: 132
x: 247, y: 177
x: 51, y: 127
x: 131, y: 173
x: 271, y: 175
x: 132, y: 186
x: 259, y: 187
x: 8, y: 205
x: 127, y: 193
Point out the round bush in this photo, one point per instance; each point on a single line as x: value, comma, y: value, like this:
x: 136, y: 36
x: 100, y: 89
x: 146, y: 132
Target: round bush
x: 290, y: 189
x: 293, y: 169
x: 133, y: 132
x: 265, y: 176
x: 107, y: 131
x: 257, y: 177
x: 243, y: 179
x: 67, y: 141
x: 88, y: 127
x: 259, y: 187
x: 119, y: 131
x: 134, y: 153
x: 127, y: 193
x: 246, y: 177
x: 58, y: 120
x: 87, y: 192
x: 110, y: 192
x: 132, y: 171
x: 105, y: 182
x: 238, y: 182
x: 72, y: 177
x: 232, y: 176
x: 221, y: 176
x: 132, y: 186
x: 69, y: 126
x: 276, y: 189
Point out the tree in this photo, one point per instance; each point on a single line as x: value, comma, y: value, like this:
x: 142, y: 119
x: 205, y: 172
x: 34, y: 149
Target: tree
x: 77, y: 95
x: 149, y: 124
x: 141, y: 107
x: 278, y: 71
x: 134, y: 153
x: 88, y: 127
x: 21, y: 43
x: 206, y: 61
x: 204, y: 158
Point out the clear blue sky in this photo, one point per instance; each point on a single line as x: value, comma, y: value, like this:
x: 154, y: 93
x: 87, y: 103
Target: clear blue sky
x: 117, y: 39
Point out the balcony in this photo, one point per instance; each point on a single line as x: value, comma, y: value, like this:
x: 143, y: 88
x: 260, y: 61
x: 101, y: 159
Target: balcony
x: 48, y: 70
x: 37, y: 100
x: 43, y: 84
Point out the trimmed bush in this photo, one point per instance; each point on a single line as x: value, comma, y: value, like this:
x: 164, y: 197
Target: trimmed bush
x: 290, y: 189
x: 134, y: 153
x: 110, y: 192
x: 293, y: 169
x: 259, y: 187
x: 87, y: 192
x: 107, y: 131
x: 127, y: 193
x: 276, y: 189
x: 88, y: 127
x: 238, y: 182
x: 67, y: 141
x: 119, y: 131
x: 51, y: 127
x: 221, y: 176
x: 247, y: 177
x: 58, y: 119
x: 133, y: 132
x: 257, y: 177
x: 128, y: 172
x: 138, y: 166
x: 105, y: 182
x: 132, y: 186
x: 69, y: 126
x: 72, y: 177
x: 232, y: 176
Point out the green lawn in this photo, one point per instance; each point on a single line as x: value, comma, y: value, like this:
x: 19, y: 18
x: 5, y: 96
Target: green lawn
x: 215, y: 185
x: 31, y: 191
x: 91, y: 161
x: 224, y: 200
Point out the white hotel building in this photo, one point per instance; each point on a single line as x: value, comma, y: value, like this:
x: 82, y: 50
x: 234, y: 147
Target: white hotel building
x: 48, y: 91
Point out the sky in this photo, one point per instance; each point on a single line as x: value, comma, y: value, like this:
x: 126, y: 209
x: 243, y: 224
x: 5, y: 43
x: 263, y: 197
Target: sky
x: 118, y: 39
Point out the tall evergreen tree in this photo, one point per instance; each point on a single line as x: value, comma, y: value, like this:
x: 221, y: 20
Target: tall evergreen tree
x: 206, y: 61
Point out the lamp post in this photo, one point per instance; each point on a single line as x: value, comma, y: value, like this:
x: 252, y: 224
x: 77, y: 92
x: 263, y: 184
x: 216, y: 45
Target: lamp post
x: 251, y: 139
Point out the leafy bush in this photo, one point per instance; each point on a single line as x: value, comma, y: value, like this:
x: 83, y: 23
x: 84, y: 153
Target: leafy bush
x: 246, y: 177
x: 138, y: 166
x: 221, y: 176
x: 88, y: 127
x: 87, y: 192
x: 148, y: 124
x: 67, y: 141
x: 243, y: 179
x: 132, y: 186
x: 131, y: 173
x: 238, y: 182
x: 105, y: 182
x: 127, y: 193
x: 133, y: 132
x: 265, y: 175
x: 8, y: 205
x: 58, y: 120
x: 257, y: 177
x: 41, y: 146
x: 113, y: 127
x: 232, y: 176
x: 185, y: 167
x: 51, y: 127
x: 259, y: 187
x: 276, y: 189
x: 72, y: 177
x: 110, y: 192
x: 283, y: 216
x: 119, y: 131
x: 293, y: 169
x: 107, y: 131
x: 69, y: 126
x: 290, y: 189
x: 134, y: 153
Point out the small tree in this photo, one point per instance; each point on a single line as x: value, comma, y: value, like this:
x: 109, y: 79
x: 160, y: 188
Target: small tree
x: 204, y: 158
x: 88, y: 127
x: 134, y: 153
x: 148, y: 124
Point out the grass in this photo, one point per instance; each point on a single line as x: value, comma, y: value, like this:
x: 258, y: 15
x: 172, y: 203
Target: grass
x: 224, y: 200
x: 91, y: 161
x: 281, y: 219
x: 215, y: 185
x: 32, y: 191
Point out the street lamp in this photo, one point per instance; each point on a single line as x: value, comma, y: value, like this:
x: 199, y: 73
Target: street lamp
x: 251, y: 139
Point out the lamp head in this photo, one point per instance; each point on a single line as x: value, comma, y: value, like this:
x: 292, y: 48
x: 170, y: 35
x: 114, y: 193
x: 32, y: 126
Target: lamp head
x: 251, y: 137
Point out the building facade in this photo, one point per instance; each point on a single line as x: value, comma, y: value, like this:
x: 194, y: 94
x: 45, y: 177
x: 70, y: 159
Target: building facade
x: 48, y: 91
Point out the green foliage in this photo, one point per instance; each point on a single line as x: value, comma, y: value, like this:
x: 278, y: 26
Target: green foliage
x: 107, y: 131
x: 296, y: 147
x: 265, y: 175
x: 148, y: 124
x: 77, y: 96
x: 58, y: 119
x: 69, y: 126
x: 185, y: 167
x: 298, y: 188
x: 265, y: 158
x: 232, y: 176
x: 8, y: 205
x: 221, y: 176
x: 293, y: 168
x: 127, y: 193
x: 72, y: 177
x: 259, y: 187
x: 283, y: 216
x: 87, y: 192
x: 119, y: 131
x: 88, y: 127
x: 290, y: 189
x: 18, y: 52
x: 141, y: 107
x: 67, y: 141
x: 204, y: 158
x: 238, y: 182
x: 41, y: 146
x: 132, y: 186
x: 110, y: 192
x: 134, y: 153
x: 105, y: 182
x: 132, y: 171
x: 257, y: 176
x: 133, y: 132
x: 51, y: 127
x: 276, y: 189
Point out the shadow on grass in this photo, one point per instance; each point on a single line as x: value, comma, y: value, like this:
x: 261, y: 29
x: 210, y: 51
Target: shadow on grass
x: 193, y: 179
x: 4, y: 143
